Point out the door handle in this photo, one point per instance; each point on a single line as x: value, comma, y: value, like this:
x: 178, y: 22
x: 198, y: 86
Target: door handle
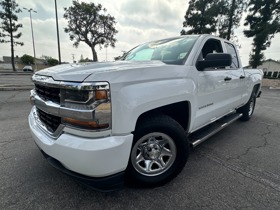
x: 242, y: 77
x: 227, y: 78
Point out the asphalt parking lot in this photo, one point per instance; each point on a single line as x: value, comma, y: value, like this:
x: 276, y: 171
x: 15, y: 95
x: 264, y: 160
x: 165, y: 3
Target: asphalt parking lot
x: 238, y: 168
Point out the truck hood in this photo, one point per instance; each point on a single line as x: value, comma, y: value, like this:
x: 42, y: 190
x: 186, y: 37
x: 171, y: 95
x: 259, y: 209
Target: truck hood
x: 79, y: 72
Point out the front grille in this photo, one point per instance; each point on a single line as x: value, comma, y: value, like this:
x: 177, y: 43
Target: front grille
x: 48, y: 93
x: 50, y: 121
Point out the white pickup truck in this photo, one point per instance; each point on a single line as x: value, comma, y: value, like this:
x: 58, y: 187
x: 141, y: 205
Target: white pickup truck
x: 135, y: 120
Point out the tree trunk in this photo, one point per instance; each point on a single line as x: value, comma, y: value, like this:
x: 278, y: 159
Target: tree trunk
x: 256, y: 57
x: 202, y: 18
x: 12, y: 47
x: 232, y: 8
x: 12, y: 54
x: 94, y: 54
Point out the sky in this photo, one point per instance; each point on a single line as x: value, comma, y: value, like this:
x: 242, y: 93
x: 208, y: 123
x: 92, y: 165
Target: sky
x: 138, y: 21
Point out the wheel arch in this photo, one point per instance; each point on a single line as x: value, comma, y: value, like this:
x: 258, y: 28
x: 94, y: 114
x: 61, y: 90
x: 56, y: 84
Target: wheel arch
x: 179, y: 111
x: 257, y: 89
x: 245, y: 110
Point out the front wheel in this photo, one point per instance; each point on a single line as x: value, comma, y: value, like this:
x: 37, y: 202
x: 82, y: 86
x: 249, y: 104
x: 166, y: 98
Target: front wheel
x: 159, y: 152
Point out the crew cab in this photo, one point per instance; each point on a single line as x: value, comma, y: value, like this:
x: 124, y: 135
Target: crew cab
x: 135, y: 120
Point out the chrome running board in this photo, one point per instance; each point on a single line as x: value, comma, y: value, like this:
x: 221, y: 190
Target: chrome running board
x: 202, y: 134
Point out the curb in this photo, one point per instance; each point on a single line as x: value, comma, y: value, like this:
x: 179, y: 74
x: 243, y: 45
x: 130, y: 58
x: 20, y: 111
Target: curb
x: 11, y: 88
x: 16, y: 73
x: 274, y: 88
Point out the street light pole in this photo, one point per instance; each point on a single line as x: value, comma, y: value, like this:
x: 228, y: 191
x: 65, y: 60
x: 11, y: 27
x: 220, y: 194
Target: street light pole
x: 58, y: 44
x: 31, y: 10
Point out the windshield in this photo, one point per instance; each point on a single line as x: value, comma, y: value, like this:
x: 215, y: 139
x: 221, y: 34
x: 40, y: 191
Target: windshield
x: 170, y: 51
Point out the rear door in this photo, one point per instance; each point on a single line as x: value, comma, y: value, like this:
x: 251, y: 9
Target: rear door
x: 237, y: 77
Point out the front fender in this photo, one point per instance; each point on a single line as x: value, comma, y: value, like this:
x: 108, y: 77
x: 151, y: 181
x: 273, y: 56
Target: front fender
x: 132, y: 100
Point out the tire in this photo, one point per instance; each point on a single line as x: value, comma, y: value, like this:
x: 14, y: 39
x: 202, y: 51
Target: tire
x: 159, y: 152
x: 248, y: 109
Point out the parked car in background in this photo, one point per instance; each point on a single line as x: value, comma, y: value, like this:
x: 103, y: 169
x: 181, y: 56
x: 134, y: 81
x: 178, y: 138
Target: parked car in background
x: 27, y: 69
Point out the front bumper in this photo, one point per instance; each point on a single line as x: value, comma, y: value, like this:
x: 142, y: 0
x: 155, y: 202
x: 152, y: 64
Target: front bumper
x: 90, y: 157
x: 104, y: 184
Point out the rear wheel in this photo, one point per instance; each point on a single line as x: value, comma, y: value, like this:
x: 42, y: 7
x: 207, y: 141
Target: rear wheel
x: 159, y: 152
x: 248, y: 109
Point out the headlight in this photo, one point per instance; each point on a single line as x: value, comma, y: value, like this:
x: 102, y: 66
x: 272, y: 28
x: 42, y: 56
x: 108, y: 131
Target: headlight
x: 88, y: 96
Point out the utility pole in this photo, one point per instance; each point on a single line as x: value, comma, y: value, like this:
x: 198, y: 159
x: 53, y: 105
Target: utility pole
x: 57, y: 32
x: 106, y: 54
x: 73, y: 57
x: 31, y: 10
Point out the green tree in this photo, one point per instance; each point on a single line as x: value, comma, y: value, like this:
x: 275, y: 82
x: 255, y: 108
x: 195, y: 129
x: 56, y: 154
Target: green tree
x: 230, y: 18
x: 120, y: 57
x: 84, y: 60
x: 264, y: 21
x: 87, y: 22
x: 27, y: 59
x: 52, y: 62
x: 202, y: 16
x: 9, y: 26
x: 49, y: 60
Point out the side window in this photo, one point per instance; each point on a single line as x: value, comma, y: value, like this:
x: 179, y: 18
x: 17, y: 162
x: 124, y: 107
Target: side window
x: 211, y: 46
x: 231, y: 50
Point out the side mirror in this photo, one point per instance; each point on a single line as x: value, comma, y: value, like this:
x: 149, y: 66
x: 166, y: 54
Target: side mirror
x: 214, y: 60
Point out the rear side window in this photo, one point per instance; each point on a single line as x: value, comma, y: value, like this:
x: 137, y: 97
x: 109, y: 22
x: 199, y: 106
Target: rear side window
x: 231, y: 50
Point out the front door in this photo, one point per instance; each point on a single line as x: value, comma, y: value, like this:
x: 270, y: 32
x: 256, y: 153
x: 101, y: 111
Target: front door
x: 214, y: 88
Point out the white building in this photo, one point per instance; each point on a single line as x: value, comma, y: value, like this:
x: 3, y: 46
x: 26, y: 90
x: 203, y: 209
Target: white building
x: 270, y: 66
